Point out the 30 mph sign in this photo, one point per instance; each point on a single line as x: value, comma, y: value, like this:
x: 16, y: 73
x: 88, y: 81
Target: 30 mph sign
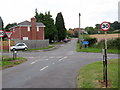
x: 1, y: 33
x: 105, y: 26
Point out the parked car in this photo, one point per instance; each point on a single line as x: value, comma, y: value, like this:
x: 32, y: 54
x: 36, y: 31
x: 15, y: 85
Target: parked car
x: 19, y: 46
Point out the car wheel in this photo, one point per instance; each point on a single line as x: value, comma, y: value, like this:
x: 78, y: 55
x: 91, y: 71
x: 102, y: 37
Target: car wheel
x: 13, y: 49
x: 25, y: 48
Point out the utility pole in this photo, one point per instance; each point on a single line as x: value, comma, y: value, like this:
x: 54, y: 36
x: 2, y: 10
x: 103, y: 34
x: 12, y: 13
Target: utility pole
x: 79, y: 31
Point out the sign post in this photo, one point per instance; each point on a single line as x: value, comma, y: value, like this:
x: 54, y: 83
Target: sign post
x: 105, y: 26
x: 1, y: 35
x: 8, y: 35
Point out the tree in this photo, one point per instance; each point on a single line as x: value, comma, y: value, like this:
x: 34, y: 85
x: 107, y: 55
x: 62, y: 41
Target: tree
x: 60, y: 26
x: 50, y: 29
x: 8, y: 26
x: 115, y: 25
x: 1, y: 23
x: 91, y: 30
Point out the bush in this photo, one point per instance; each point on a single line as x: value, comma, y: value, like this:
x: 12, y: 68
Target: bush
x: 111, y: 44
x: 91, y: 41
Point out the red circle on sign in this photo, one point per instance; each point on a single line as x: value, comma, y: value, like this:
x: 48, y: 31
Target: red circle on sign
x: 105, y: 26
x: 3, y: 33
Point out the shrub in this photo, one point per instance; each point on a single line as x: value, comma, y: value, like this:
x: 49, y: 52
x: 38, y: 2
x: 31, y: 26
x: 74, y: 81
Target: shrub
x: 91, y: 41
x: 111, y: 44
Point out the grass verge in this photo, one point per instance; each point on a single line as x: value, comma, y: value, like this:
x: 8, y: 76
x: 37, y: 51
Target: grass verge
x: 96, y: 50
x: 91, y: 75
x: 9, y: 62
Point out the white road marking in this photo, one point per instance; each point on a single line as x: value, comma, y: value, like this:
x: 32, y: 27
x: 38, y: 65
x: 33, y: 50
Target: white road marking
x: 65, y: 57
x: 31, y: 57
x: 34, y: 62
x: 46, y: 59
x: 62, y: 58
x: 43, y: 68
x: 51, y: 57
x: 53, y: 63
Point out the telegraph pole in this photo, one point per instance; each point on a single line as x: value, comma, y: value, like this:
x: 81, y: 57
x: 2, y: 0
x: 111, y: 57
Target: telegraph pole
x: 79, y: 31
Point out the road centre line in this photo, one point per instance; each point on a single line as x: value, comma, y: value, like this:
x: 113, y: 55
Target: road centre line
x: 34, y: 62
x: 43, y: 68
x: 62, y: 58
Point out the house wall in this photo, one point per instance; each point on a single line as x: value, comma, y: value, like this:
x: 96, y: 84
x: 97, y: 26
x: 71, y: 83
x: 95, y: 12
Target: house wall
x: 20, y: 32
x: 25, y: 33
x: 40, y: 34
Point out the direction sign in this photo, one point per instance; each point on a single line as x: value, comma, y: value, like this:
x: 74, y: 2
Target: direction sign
x: 85, y: 42
x: 1, y: 33
x: 8, y: 34
x: 105, y: 26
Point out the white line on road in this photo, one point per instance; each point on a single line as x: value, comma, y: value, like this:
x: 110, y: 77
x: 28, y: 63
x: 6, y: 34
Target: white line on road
x: 53, y: 63
x: 46, y: 59
x: 34, y: 62
x: 43, y: 68
x: 62, y: 58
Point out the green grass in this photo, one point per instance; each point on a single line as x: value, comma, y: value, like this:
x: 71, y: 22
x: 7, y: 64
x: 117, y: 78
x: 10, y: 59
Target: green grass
x: 8, y: 61
x: 90, y: 74
x: 96, y: 50
x: 50, y: 46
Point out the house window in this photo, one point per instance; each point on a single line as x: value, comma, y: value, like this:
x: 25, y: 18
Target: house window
x: 28, y: 28
x: 37, y: 28
x: 25, y: 38
x: 14, y: 30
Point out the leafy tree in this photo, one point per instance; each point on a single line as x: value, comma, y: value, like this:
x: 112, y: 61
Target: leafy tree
x: 8, y: 26
x: 91, y: 30
x: 115, y: 25
x: 75, y: 33
x: 1, y: 23
x: 50, y: 29
x: 60, y: 26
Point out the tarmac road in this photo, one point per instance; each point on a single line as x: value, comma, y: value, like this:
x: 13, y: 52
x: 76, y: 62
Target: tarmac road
x: 50, y: 69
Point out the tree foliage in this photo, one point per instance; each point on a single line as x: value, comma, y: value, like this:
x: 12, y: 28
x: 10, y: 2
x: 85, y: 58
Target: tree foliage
x: 8, y: 26
x: 50, y: 29
x: 1, y: 23
x: 60, y: 26
x: 91, y: 30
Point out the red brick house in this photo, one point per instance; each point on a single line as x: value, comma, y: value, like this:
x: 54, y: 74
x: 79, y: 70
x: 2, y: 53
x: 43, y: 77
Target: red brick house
x: 28, y: 30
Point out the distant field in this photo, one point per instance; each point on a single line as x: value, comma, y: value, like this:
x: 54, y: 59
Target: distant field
x: 101, y: 36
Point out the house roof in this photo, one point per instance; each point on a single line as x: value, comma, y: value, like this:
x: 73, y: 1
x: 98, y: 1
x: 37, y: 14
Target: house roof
x: 24, y: 23
x: 27, y: 23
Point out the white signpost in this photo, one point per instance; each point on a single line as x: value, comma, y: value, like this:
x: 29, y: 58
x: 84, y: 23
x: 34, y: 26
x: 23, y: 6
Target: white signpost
x: 105, y: 26
x: 9, y: 35
x: 1, y: 35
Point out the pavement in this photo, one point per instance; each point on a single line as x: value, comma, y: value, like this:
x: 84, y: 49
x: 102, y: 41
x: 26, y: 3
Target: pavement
x: 51, y: 69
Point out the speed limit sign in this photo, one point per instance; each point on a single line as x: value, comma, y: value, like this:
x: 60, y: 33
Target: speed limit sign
x: 1, y: 33
x: 105, y: 26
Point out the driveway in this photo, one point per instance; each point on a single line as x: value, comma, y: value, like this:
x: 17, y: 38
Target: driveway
x: 50, y: 69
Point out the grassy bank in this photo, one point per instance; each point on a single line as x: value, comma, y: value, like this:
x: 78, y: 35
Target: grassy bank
x: 91, y: 76
x: 9, y: 62
x: 95, y: 50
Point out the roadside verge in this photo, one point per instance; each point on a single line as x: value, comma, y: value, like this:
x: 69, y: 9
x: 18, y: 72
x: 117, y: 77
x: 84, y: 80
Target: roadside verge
x: 91, y: 75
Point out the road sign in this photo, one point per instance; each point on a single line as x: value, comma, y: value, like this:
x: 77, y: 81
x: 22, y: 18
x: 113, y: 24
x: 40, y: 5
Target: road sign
x: 8, y: 34
x: 105, y: 26
x: 1, y: 33
x: 85, y: 42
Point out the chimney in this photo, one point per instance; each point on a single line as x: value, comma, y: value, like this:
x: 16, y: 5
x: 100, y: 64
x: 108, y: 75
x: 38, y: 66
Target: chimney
x: 33, y: 28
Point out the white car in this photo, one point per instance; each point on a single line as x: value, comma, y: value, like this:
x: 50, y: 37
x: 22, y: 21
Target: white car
x: 19, y: 46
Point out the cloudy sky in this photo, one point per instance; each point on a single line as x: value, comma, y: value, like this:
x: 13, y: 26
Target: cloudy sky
x: 92, y: 11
